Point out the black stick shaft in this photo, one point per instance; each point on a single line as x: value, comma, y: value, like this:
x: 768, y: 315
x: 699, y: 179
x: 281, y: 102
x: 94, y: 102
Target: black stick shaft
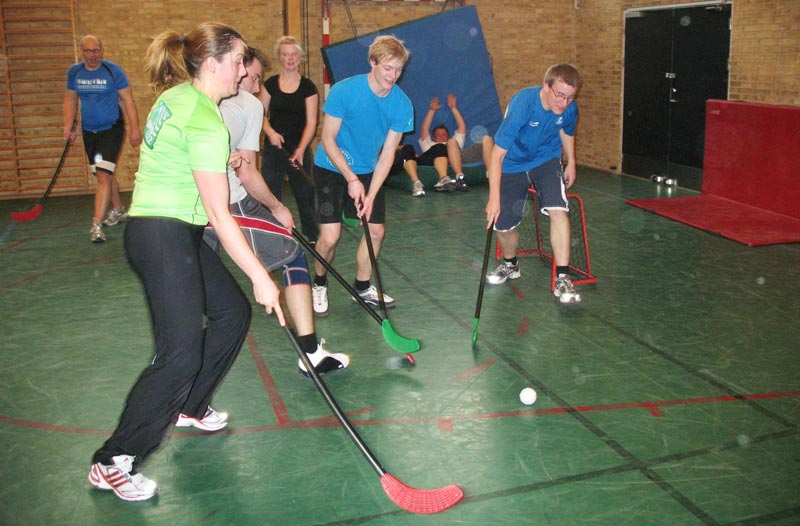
x: 373, y: 261
x: 326, y: 394
x: 484, y: 268
x: 349, y: 288
x: 58, y: 171
x: 298, y: 167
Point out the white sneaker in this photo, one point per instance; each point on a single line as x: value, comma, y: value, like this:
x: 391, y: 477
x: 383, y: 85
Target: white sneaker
x: 503, y: 272
x: 117, y: 478
x: 115, y: 216
x: 565, y: 290
x: 324, y: 361
x: 319, y: 299
x: 418, y: 190
x: 445, y: 184
x: 211, y: 421
x: 96, y: 234
x: 371, y: 296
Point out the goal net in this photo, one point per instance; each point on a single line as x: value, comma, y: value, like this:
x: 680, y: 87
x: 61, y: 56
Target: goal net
x: 534, y: 239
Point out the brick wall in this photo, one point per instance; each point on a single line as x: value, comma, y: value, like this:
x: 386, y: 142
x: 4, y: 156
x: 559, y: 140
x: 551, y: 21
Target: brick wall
x: 765, y: 51
x: 523, y: 37
x: 126, y: 28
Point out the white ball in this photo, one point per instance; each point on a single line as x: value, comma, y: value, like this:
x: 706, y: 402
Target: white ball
x: 393, y: 363
x: 527, y: 396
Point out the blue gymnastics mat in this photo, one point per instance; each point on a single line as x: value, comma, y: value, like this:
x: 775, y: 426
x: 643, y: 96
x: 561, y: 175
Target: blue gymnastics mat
x: 448, y: 55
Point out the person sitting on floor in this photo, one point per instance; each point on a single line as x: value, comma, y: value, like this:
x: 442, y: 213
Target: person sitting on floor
x: 439, y: 150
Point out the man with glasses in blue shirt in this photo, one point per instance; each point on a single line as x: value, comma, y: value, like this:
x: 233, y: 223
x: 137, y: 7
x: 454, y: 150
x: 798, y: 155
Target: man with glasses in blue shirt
x: 538, y: 129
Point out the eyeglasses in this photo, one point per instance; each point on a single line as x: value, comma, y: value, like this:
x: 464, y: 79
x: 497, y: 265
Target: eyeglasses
x: 95, y: 50
x: 562, y: 96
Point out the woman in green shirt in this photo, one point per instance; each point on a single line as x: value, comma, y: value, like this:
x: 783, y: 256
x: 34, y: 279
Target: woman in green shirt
x: 181, y: 185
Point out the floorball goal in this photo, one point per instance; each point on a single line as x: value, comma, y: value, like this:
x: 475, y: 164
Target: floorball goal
x: 534, y: 239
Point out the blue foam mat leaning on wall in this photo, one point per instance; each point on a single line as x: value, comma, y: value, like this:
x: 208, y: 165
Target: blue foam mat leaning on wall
x: 448, y: 55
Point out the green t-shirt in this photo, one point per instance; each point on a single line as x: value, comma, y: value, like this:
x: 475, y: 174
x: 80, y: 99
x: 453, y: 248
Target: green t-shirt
x: 184, y: 132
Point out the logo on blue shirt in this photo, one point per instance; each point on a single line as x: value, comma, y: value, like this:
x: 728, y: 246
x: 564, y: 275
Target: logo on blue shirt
x: 91, y: 82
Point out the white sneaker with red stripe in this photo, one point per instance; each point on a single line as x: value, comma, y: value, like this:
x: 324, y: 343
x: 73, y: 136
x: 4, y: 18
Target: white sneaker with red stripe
x: 117, y: 478
x: 211, y: 421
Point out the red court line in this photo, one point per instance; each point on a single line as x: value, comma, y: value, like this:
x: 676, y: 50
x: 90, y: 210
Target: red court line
x: 475, y: 370
x: 324, y: 421
x: 518, y: 292
x: 444, y: 423
x: 523, y: 327
x: 34, y: 277
x: 312, y: 423
x: 70, y: 430
x: 34, y: 238
x: 273, y: 394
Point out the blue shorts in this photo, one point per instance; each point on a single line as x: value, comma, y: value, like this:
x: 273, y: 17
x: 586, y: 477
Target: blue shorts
x: 548, y: 179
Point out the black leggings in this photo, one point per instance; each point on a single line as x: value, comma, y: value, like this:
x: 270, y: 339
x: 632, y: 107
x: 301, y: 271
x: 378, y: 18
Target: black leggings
x: 274, y: 167
x: 200, y: 318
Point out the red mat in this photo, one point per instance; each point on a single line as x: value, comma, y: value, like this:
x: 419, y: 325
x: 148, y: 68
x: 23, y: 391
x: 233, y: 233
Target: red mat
x: 745, y: 224
x: 751, y: 192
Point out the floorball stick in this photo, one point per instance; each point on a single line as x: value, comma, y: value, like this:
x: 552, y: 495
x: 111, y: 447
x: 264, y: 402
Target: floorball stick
x: 395, y: 341
x: 484, y: 268
x: 374, y: 262
x: 299, y: 167
x: 406, y: 497
x: 34, y: 212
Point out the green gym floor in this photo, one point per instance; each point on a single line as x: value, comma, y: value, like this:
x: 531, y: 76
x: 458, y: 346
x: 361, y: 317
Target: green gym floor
x: 669, y: 396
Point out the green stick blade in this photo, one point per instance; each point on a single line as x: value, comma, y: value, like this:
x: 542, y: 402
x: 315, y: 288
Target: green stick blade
x: 397, y: 342
x: 475, y: 331
x: 349, y: 221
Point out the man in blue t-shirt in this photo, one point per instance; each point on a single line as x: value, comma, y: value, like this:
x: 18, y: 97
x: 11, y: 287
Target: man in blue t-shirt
x: 104, y: 93
x: 537, y: 129
x: 365, y: 118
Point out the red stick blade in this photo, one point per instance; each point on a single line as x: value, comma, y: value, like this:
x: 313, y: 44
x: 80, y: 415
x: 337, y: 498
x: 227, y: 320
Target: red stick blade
x: 30, y: 215
x: 420, y: 500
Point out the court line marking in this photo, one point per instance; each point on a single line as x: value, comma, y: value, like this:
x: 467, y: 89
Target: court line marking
x: 29, y: 238
x: 653, y: 407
